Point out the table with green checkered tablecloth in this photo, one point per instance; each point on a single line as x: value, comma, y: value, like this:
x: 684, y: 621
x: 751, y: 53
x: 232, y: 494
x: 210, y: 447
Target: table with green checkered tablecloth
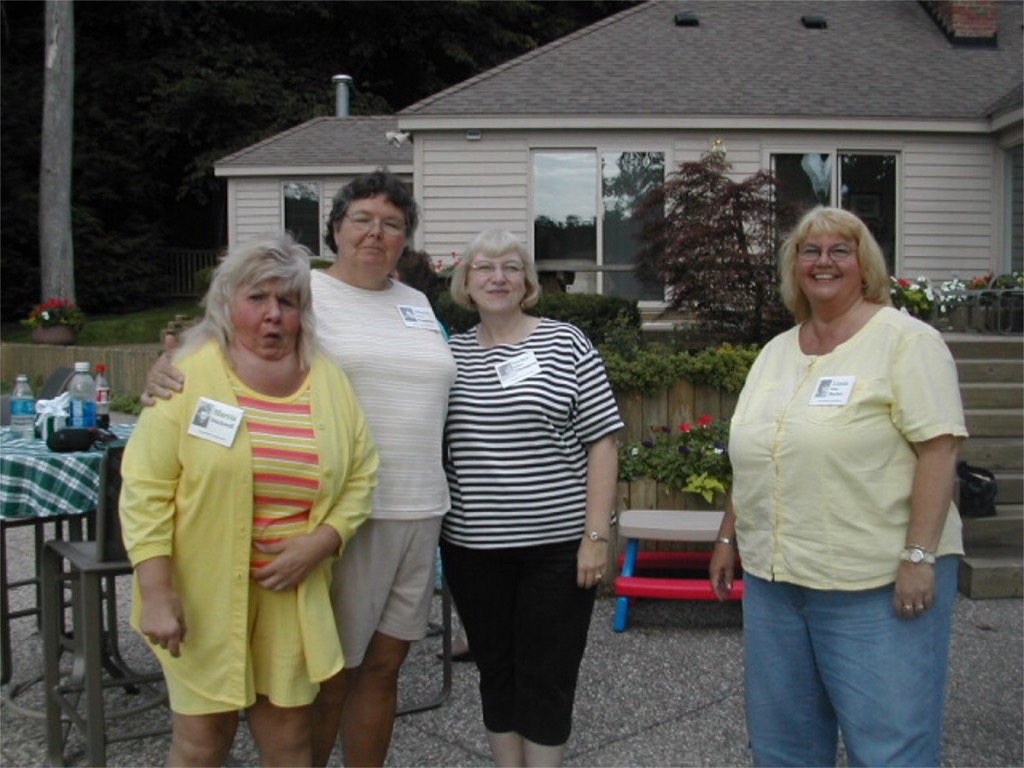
x: 39, y: 487
x: 37, y: 482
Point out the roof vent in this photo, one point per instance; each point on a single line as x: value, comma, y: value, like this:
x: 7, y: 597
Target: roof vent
x: 687, y: 19
x: 814, y: 22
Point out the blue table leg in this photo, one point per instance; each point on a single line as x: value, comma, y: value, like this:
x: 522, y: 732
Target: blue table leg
x: 628, y: 569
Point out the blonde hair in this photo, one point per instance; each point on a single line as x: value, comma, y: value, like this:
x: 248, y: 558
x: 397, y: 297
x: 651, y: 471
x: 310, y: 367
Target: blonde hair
x: 832, y: 221
x: 267, y: 258
x: 494, y: 243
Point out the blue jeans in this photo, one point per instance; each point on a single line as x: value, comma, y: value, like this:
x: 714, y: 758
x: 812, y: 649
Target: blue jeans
x: 819, y: 662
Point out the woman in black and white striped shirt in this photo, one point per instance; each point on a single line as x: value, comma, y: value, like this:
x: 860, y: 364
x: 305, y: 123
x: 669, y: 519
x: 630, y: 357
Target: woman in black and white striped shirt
x: 532, y: 468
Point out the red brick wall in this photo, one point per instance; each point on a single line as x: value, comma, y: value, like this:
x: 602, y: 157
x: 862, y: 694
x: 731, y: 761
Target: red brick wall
x: 967, y: 18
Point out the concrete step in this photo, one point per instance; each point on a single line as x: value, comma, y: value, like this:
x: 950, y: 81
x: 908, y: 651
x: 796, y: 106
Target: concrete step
x: 995, y: 422
x: 973, y: 345
x: 1011, y: 486
x: 994, y: 453
x: 990, y: 370
x: 992, y: 394
x: 1005, y: 529
x: 992, y: 572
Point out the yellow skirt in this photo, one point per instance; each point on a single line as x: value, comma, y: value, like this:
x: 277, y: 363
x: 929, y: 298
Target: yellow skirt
x: 275, y: 666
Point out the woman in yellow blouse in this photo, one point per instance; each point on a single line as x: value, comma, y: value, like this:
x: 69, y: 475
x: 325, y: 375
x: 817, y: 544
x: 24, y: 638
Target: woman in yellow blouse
x: 232, y: 521
x: 843, y: 445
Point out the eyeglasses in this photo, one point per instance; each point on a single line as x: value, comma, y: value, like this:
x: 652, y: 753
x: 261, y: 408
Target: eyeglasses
x: 364, y: 223
x: 837, y: 253
x: 487, y: 269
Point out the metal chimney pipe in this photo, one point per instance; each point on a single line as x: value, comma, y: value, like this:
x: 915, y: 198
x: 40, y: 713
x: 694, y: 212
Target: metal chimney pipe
x: 341, y: 85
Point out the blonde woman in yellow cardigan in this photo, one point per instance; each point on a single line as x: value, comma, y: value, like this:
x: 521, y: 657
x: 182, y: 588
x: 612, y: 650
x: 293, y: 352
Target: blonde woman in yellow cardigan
x: 237, y: 498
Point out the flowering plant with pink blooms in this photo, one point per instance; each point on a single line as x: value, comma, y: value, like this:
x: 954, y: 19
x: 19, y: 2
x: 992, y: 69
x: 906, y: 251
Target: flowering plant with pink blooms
x: 444, y: 268
x: 692, y: 458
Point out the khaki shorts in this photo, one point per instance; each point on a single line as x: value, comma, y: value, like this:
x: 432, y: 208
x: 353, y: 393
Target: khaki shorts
x: 275, y: 666
x: 383, y: 583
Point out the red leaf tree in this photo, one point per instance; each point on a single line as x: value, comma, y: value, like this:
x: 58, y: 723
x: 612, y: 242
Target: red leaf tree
x: 715, y: 247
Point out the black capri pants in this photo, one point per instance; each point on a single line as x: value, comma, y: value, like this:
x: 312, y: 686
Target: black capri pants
x: 526, y: 621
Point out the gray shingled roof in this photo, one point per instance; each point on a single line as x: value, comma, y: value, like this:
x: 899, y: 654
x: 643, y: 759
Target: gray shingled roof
x: 876, y: 59
x: 327, y: 141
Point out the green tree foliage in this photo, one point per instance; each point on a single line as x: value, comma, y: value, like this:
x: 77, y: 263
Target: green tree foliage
x: 164, y: 89
x: 715, y: 247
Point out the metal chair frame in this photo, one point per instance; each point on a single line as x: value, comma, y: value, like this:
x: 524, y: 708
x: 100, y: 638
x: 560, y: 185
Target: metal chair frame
x: 91, y: 569
x: 446, y: 659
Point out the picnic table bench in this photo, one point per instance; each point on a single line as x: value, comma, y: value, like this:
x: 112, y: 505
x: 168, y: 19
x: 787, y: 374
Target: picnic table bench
x: 686, y: 525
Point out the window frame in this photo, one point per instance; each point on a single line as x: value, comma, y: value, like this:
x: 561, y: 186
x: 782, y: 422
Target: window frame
x: 283, y: 198
x: 597, y: 152
x: 836, y: 152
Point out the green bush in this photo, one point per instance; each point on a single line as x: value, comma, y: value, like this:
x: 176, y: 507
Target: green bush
x: 654, y: 366
x: 596, y: 316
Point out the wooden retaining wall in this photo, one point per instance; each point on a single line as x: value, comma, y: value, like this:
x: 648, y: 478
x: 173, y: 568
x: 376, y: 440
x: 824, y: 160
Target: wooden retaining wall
x: 126, y: 366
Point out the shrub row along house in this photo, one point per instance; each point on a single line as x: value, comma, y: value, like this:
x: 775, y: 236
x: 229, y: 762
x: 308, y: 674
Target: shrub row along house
x: 907, y: 113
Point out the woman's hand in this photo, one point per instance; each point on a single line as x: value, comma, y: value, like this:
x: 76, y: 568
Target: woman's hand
x: 915, y: 590
x: 163, y: 621
x: 591, y: 558
x: 723, y: 558
x: 721, y: 570
x: 163, y: 616
x: 295, y: 558
x: 163, y: 379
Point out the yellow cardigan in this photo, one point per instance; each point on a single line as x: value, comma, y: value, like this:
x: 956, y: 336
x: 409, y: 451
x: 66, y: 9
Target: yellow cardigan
x: 192, y: 500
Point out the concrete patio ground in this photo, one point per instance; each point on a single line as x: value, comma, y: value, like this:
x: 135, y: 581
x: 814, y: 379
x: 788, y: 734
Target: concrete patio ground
x: 667, y: 692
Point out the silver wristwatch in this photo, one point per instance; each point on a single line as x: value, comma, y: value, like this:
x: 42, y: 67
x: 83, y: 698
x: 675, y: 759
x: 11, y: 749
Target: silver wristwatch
x: 917, y: 555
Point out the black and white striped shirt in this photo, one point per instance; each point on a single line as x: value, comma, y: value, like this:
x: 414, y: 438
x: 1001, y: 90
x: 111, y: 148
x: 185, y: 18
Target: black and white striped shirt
x: 516, y: 454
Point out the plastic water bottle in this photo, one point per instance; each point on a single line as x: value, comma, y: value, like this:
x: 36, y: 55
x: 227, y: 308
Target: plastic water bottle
x: 83, y: 398
x: 23, y: 409
x: 102, y: 397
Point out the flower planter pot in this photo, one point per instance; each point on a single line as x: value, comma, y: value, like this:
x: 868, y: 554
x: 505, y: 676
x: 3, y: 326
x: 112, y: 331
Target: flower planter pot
x: 61, y: 335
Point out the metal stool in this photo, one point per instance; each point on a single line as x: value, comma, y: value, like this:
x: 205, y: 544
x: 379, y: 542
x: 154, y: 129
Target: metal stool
x: 91, y: 569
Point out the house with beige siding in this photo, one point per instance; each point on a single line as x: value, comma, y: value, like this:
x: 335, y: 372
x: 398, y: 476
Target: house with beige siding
x: 911, y: 114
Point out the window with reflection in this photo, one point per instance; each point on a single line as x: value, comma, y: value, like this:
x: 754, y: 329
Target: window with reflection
x: 861, y: 182
x: 570, y: 189
x: 302, y: 212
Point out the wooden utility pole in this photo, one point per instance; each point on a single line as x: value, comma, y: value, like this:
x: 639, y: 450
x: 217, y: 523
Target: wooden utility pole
x: 56, y: 252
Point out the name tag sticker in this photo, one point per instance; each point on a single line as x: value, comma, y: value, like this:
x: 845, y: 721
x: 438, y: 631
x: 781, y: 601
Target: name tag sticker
x: 517, y: 369
x: 216, y: 422
x: 418, y: 317
x: 833, y: 390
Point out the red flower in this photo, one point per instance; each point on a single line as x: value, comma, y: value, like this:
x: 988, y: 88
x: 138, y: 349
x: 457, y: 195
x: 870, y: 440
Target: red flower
x: 704, y: 421
x: 686, y: 427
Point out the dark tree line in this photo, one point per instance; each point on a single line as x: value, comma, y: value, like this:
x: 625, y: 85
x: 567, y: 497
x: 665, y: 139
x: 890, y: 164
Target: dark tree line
x: 163, y: 89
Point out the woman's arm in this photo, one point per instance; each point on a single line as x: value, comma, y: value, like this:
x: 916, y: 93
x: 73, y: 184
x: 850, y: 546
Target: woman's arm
x: 723, y: 558
x: 930, y: 497
x: 602, y: 484
x: 163, y: 380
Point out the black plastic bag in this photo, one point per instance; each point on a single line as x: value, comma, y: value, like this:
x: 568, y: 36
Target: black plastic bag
x: 978, y: 489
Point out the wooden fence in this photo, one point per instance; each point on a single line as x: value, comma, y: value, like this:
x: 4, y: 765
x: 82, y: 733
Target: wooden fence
x: 126, y: 365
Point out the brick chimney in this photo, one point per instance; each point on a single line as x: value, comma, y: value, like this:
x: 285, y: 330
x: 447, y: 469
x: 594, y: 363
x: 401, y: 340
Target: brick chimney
x: 966, y: 22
